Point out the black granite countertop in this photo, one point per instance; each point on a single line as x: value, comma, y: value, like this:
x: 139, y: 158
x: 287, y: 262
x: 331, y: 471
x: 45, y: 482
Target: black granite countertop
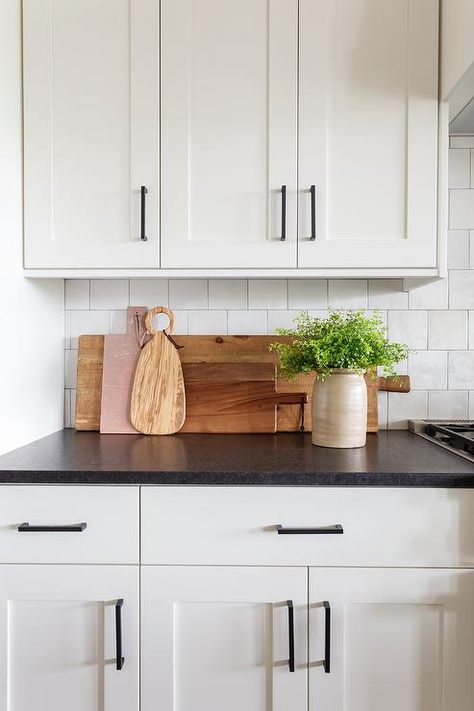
x: 389, y: 459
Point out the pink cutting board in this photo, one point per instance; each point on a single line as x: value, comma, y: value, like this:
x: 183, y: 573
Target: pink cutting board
x: 121, y: 351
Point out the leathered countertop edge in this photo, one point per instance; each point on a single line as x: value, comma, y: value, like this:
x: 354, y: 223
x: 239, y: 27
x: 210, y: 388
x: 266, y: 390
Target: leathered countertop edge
x: 282, y: 479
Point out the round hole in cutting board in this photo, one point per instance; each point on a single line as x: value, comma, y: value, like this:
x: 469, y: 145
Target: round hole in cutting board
x: 160, y: 321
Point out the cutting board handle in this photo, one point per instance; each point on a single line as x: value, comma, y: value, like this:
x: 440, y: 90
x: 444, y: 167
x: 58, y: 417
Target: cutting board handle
x: 150, y: 315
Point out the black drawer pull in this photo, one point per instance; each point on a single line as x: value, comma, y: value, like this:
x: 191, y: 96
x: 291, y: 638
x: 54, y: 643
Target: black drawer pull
x: 72, y: 528
x: 120, y: 660
x: 291, y: 636
x: 320, y: 530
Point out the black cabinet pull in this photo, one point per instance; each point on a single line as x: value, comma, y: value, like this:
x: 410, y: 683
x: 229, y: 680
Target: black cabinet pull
x: 291, y: 636
x: 71, y: 528
x: 320, y: 530
x: 143, y: 192
x: 283, y: 213
x: 327, y: 637
x: 312, y: 190
x: 118, y: 634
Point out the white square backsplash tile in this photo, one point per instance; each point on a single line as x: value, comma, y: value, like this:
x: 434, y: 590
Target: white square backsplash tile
x: 149, y: 292
x: 241, y: 323
x: 228, y: 294
x: 188, y: 294
x: 448, y: 404
x: 461, y: 370
x: 347, y: 293
x: 428, y: 295
x: 461, y: 209
x: 281, y: 319
x: 428, y: 370
x: 268, y: 294
x: 459, y: 168
x: 461, y: 289
x: 447, y: 330
x: 436, y: 318
x: 387, y: 294
x: 109, y: 293
x: 410, y: 327
x: 458, y: 249
x: 70, y: 368
x: 76, y: 294
x: 212, y: 322
x: 406, y: 406
x: 307, y: 294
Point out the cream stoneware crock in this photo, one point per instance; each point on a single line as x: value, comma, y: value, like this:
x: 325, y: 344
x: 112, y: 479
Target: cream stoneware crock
x: 340, y: 410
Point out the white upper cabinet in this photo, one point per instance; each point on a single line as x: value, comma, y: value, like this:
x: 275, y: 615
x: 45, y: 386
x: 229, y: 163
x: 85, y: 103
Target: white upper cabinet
x: 91, y: 133
x: 368, y: 134
x: 297, y: 137
x: 228, y: 112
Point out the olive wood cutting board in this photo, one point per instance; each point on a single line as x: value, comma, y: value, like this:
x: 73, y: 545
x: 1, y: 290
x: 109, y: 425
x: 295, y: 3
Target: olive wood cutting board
x: 158, y: 404
x: 222, y: 349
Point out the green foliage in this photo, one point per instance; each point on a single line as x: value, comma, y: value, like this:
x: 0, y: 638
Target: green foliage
x: 345, y: 339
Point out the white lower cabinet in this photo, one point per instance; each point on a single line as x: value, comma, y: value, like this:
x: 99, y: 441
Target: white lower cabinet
x: 60, y: 638
x: 401, y: 639
x: 219, y: 638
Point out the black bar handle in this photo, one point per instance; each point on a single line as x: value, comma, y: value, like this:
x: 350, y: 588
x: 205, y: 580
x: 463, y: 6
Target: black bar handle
x: 320, y: 530
x: 143, y: 192
x: 283, y: 213
x: 327, y: 637
x: 118, y: 634
x: 312, y: 190
x: 291, y: 636
x: 71, y: 528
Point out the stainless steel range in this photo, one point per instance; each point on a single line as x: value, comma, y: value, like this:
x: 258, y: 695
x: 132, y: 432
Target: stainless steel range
x: 454, y: 435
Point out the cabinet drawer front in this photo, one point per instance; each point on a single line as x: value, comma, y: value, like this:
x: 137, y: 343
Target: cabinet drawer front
x: 51, y: 521
x: 238, y: 526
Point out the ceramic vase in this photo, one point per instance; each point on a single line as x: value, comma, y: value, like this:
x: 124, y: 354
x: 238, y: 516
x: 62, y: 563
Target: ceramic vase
x: 340, y: 410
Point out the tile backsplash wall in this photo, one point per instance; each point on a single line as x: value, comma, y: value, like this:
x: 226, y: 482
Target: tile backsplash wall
x: 436, y: 318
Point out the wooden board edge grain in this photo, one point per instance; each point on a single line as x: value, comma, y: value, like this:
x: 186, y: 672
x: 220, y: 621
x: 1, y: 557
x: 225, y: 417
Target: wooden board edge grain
x: 90, y: 359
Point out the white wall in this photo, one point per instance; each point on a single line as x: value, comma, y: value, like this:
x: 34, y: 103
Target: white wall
x: 31, y: 311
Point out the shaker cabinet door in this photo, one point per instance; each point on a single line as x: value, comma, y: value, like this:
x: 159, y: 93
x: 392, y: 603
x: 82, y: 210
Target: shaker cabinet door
x: 91, y: 134
x: 60, y: 631
x: 228, y: 133
x: 368, y: 111
x: 219, y: 638
x: 398, y: 639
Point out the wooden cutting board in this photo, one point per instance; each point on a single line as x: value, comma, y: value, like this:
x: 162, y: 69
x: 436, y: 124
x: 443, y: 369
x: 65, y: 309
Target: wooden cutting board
x: 256, y: 349
x: 89, y: 382
x: 121, y: 353
x: 233, y: 397
x: 215, y: 349
x: 158, y: 404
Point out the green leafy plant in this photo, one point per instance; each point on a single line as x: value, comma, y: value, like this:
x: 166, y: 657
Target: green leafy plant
x: 344, y: 339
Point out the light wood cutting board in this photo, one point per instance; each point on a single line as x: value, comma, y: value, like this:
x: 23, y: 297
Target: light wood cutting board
x: 233, y: 397
x: 158, y: 404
